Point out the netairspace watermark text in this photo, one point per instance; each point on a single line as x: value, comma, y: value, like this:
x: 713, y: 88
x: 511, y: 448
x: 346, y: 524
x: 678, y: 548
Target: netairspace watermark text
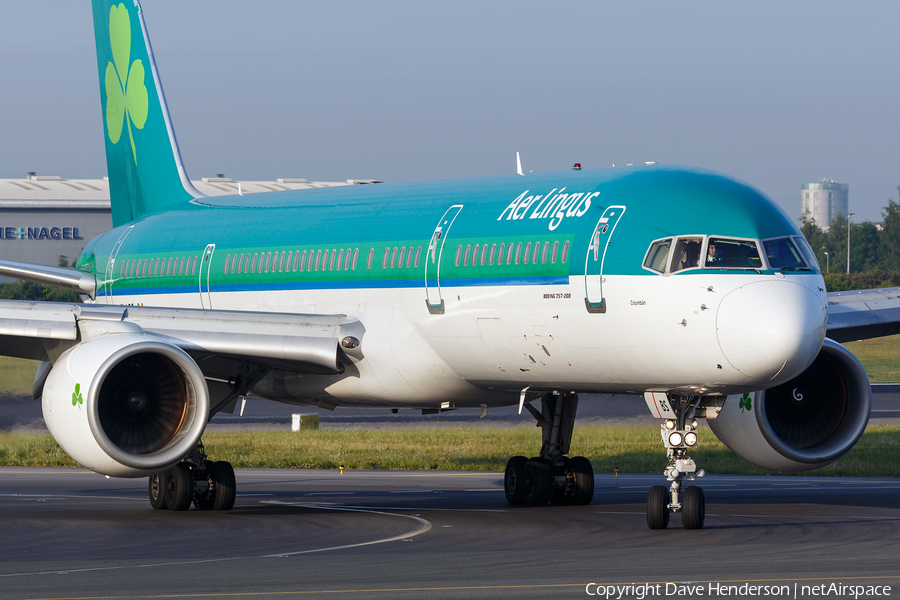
x: 795, y: 591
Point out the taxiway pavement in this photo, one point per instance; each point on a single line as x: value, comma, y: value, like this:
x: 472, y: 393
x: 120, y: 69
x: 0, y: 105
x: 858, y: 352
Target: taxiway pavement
x: 69, y: 533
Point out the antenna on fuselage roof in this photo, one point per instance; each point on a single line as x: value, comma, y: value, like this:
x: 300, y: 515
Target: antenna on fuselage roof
x: 519, y: 165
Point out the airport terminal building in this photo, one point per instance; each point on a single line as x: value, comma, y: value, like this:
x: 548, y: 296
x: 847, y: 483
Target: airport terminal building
x: 43, y: 218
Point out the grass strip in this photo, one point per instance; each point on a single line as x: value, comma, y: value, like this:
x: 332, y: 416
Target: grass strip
x: 631, y: 449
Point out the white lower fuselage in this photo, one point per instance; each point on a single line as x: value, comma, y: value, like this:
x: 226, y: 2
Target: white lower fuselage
x: 698, y: 333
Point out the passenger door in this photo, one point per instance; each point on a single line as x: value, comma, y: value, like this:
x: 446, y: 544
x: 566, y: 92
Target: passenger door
x: 433, y: 298
x: 594, y: 300
x: 203, y: 276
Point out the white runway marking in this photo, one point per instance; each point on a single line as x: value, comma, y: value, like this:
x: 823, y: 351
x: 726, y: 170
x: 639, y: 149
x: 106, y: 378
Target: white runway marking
x: 423, y: 526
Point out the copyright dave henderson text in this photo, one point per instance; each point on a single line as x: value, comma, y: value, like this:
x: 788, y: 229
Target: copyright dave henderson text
x: 711, y: 590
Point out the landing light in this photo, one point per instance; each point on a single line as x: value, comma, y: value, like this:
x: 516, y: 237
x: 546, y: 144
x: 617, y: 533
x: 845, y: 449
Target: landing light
x: 694, y: 424
x: 676, y: 438
x: 670, y: 424
x: 690, y: 438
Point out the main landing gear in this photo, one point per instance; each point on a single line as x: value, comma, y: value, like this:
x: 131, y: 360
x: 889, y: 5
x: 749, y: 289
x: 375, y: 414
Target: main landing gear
x: 679, y: 435
x: 551, y: 477
x: 195, y: 480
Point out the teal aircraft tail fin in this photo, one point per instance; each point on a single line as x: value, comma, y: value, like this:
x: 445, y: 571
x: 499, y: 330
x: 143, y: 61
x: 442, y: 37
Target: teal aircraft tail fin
x: 146, y: 174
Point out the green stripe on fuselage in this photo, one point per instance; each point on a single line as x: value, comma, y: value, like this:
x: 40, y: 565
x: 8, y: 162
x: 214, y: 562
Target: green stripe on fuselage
x: 661, y: 201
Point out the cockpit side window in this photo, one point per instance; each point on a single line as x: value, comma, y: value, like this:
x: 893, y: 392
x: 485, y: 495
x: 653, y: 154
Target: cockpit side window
x: 782, y: 254
x: 687, y: 254
x: 807, y: 252
x: 725, y: 253
x: 658, y: 255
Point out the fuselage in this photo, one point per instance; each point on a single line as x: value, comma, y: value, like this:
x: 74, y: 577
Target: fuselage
x: 472, y: 289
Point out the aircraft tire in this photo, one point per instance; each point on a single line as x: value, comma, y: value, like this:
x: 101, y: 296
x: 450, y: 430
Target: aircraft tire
x: 157, y: 490
x: 658, y: 507
x: 538, y: 484
x: 226, y: 488
x: 179, y: 488
x: 693, y: 508
x: 514, y: 480
x: 584, y: 481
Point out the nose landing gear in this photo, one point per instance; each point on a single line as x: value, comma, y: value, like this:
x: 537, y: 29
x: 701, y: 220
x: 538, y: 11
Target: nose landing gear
x: 679, y: 434
x: 552, y: 476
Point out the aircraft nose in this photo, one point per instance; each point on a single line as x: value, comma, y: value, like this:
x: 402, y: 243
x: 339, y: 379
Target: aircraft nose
x: 771, y: 328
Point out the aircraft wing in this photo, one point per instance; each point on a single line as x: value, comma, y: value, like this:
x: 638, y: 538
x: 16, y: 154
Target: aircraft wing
x: 221, y: 342
x: 863, y: 314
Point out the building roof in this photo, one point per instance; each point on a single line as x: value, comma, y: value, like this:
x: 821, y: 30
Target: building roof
x: 48, y: 191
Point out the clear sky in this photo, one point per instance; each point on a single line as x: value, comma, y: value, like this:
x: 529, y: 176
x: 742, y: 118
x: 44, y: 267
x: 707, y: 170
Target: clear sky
x: 775, y: 93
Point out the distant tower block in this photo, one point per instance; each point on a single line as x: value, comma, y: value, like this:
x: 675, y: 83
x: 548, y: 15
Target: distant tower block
x: 823, y: 201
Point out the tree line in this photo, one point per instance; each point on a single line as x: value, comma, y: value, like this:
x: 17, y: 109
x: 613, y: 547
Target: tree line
x: 874, y: 254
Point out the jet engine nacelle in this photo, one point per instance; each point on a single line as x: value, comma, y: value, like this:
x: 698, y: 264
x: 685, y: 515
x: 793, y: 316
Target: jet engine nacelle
x: 126, y: 404
x: 806, y: 423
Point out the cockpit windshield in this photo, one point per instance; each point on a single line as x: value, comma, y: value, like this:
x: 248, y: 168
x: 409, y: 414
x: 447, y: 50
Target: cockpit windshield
x: 782, y: 254
x: 725, y: 253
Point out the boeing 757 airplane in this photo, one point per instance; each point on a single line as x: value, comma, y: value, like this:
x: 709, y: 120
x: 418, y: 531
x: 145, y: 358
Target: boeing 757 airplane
x: 682, y: 285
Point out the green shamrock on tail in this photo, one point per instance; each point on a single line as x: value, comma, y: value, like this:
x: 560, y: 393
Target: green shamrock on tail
x: 746, y: 402
x: 76, y: 396
x: 126, y: 94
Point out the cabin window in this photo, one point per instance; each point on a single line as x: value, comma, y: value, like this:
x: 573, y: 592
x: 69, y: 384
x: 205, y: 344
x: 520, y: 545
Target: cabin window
x: 386, y: 259
x: 297, y: 262
x: 281, y: 262
x: 500, y: 253
x: 466, y: 255
x: 475, y: 255
x: 527, y: 253
x: 370, y: 258
x: 687, y: 254
x: 316, y: 260
x: 544, y: 252
x: 340, y: 259
x: 401, y: 256
x: 121, y: 269
x: 182, y: 270
x: 234, y: 260
x: 418, y: 254
x: 554, y: 252
x: 253, y: 264
x: 493, y: 254
x: 509, y: 254
x: 782, y: 254
x: 287, y: 260
x: 394, y: 257
x: 347, y: 258
x: 658, y: 255
x: 333, y: 253
x: 309, y: 260
x: 169, y: 267
x: 723, y: 253
x: 484, y: 250
x: 269, y: 261
x: 240, y: 263
x: 537, y: 252
x: 225, y: 270
x: 519, y: 252
x: 458, y: 255
x: 302, y: 264
x: 156, y: 268
x: 355, y: 256
x: 194, y: 266
x: 143, y: 269
x: 130, y: 269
